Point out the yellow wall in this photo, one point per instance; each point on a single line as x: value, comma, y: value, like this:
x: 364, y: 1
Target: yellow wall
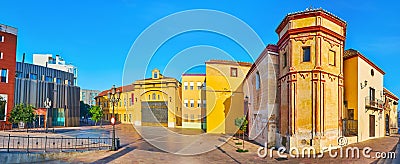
x: 195, y: 95
x: 165, y: 89
x: 224, y: 96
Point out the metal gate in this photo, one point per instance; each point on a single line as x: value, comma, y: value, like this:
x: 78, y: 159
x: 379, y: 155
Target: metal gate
x: 155, y: 113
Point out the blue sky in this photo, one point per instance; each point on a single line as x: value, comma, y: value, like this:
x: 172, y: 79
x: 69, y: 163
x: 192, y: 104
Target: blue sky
x: 96, y: 35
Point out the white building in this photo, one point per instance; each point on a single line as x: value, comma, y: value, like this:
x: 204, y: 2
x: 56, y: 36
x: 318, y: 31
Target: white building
x: 58, y: 63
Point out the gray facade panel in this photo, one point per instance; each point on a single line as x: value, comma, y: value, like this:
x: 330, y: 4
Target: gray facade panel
x: 35, y: 92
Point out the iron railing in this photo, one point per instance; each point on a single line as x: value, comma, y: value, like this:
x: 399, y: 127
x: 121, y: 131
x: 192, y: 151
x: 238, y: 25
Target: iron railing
x: 350, y: 127
x: 373, y: 103
x: 52, y: 144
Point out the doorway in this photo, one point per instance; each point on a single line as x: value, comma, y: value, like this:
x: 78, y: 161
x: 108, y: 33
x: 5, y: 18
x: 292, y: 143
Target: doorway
x: 387, y: 124
x: 371, y: 125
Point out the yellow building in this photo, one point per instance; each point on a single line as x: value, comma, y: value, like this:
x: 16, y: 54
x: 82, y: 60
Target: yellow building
x: 224, y: 95
x: 310, y: 82
x: 364, y: 98
x: 192, y: 103
x: 391, y: 113
x: 153, y: 101
x: 123, y: 110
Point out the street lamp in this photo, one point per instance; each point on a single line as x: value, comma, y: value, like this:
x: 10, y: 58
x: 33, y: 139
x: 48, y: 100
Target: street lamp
x: 114, y: 97
x: 47, y: 105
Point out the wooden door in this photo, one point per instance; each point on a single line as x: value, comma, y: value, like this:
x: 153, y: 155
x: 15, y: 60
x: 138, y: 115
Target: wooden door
x: 371, y: 126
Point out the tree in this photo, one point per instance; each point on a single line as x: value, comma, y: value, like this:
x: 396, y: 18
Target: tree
x: 84, y: 109
x: 22, y: 113
x: 241, y: 123
x: 97, y: 113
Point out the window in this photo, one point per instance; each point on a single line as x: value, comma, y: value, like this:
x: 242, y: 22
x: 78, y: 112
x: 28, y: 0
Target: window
x: 204, y: 103
x: 130, y: 101
x: 158, y: 97
x: 1, y: 38
x: 149, y: 97
x: 350, y: 114
x: 18, y: 74
x: 1, y: 55
x: 33, y: 76
x: 191, y: 103
x: 284, y: 60
x: 332, y: 57
x: 233, y: 72
x: 306, y: 54
x: 50, y: 79
x: 3, y: 107
x: 130, y: 117
x: 155, y: 75
x: 154, y: 96
x: 185, y: 102
x: 198, y: 85
x: 191, y: 85
x: 185, y: 116
x: 198, y: 103
x: 4, y: 74
x: 132, y: 96
x: 124, y: 117
x: 58, y: 80
x: 257, y: 80
x: 372, y: 94
x: 185, y: 84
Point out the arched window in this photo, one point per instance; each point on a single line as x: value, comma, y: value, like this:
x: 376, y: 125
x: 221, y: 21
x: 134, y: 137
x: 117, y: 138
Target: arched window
x: 257, y: 80
x: 154, y: 96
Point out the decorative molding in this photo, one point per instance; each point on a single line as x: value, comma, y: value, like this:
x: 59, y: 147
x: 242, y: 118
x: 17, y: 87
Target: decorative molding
x: 303, y: 75
x: 332, y: 41
x: 304, y: 37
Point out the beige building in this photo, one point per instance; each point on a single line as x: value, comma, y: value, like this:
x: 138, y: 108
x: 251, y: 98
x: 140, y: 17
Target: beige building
x: 391, y: 113
x: 261, y: 103
x: 364, y: 98
x: 192, y: 103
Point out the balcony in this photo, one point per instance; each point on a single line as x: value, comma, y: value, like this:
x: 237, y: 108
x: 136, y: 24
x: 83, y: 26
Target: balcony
x: 374, y: 104
x: 350, y: 127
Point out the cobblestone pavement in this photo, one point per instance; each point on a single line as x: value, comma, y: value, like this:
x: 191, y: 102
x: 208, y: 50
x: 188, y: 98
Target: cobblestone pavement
x: 136, y: 150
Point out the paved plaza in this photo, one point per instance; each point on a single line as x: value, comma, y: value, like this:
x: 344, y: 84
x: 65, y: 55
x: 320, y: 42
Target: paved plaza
x: 221, y: 149
x: 165, y: 145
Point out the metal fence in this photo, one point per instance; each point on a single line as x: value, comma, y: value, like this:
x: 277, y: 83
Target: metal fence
x: 52, y: 144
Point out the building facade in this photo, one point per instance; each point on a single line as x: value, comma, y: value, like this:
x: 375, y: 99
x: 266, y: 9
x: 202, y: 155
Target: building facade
x: 310, y: 82
x: 192, y: 103
x: 58, y: 63
x: 88, y: 96
x: 261, y: 101
x: 154, y: 101
x: 224, y: 95
x: 390, y: 105
x: 8, y: 47
x: 34, y: 84
x: 364, y: 116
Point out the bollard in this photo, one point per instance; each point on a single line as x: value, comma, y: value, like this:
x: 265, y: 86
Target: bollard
x: 61, y: 143
x: 8, y: 147
x: 27, y: 146
x: 45, y: 144
x: 76, y: 143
